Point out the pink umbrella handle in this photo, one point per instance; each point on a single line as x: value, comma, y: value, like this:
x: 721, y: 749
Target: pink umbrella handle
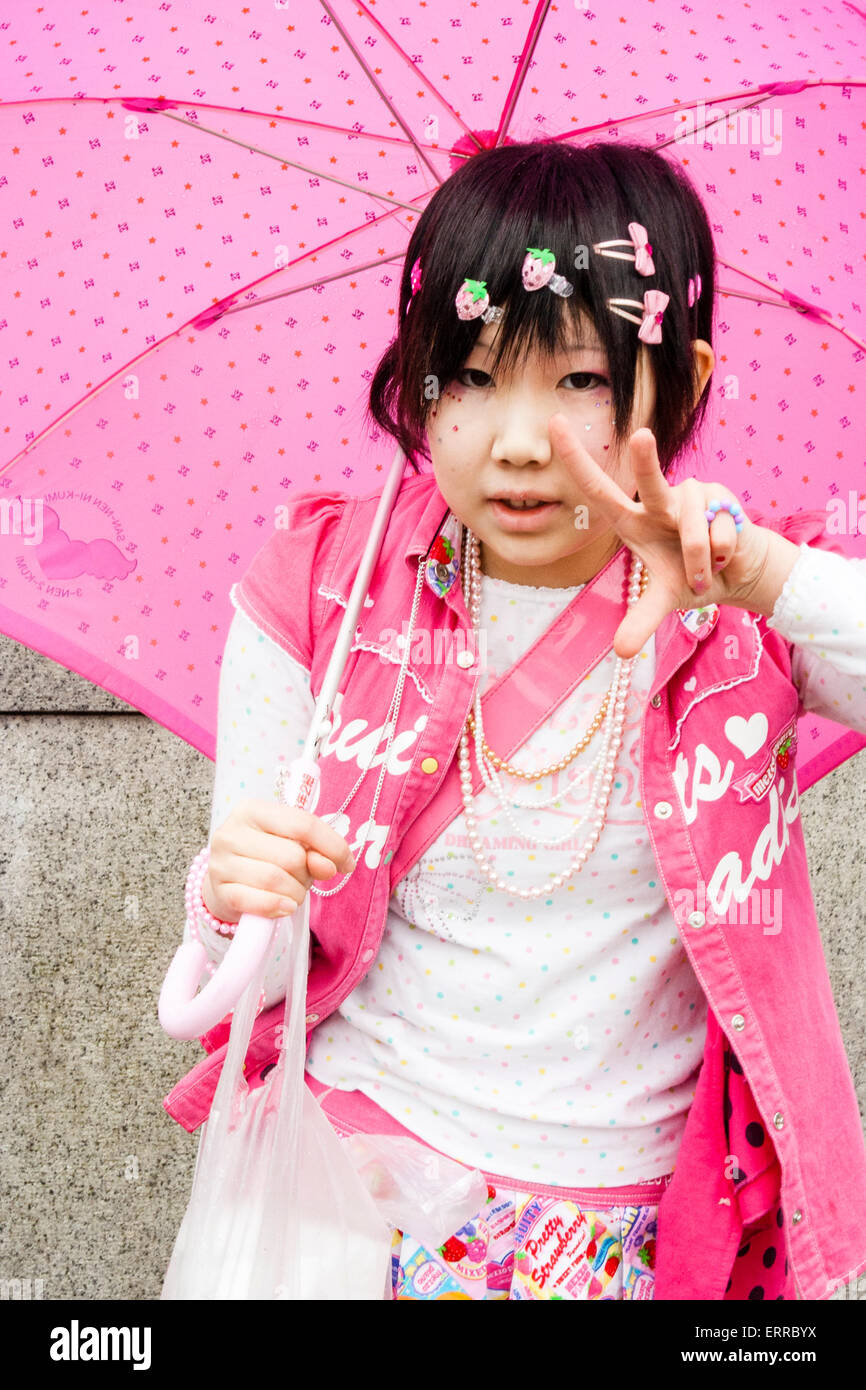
x: 185, y: 1014
x: 182, y: 1012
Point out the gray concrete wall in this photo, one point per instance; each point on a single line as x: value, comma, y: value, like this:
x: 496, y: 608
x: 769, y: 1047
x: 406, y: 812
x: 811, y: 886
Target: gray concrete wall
x: 101, y: 812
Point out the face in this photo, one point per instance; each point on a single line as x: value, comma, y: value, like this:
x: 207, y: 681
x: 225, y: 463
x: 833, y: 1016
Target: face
x: 488, y: 437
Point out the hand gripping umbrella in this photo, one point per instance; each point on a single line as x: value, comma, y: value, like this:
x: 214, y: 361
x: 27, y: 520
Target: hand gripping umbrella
x: 182, y: 1012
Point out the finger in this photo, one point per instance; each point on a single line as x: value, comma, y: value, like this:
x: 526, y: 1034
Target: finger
x: 653, y: 487
x: 315, y: 833
x: 641, y: 621
x: 695, y: 543
x: 320, y: 866
x: 278, y: 867
x: 240, y: 898
x: 722, y: 539
x: 596, y: 485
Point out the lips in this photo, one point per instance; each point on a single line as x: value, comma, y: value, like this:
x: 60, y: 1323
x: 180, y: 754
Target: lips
x: 522, y: 518
x: 522, y: 497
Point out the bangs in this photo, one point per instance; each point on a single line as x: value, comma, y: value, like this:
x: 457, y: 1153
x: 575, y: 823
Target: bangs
x: 479, y: 225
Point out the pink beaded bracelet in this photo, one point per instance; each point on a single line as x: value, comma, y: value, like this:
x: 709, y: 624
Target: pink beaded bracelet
x: 195, y: 903
x: 196, y: 911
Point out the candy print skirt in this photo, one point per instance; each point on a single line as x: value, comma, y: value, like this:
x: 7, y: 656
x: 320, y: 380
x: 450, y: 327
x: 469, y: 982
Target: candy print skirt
x: 547, y: 1243
x: 531, y: 1245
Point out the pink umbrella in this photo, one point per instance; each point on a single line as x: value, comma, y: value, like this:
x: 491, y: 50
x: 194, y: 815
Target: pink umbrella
x: 198, y: 281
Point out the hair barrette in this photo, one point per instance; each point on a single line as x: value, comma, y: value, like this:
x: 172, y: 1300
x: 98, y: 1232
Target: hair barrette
x: 694, y: 290
x: 415, y: 281
x: 473, y: 302
x: 539, y: 269
x: 641, y: 252
x: 654, y: 304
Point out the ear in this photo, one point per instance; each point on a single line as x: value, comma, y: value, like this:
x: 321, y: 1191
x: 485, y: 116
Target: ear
x: 705, y: 361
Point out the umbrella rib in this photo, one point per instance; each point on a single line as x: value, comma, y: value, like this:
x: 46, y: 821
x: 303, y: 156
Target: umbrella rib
x: 522, y: 69
x: 687, y: 106
x: 281, y: 159
x: 215, y: 106
x: 714, y: 120
x: 422, y: 76
x: 385, y: 98
x: 781, y: 303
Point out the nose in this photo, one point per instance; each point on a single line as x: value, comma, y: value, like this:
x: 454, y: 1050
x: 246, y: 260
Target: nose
x: 520, y: 434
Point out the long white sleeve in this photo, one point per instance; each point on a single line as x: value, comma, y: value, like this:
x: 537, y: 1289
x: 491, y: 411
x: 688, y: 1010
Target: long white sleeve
x: 822, y: 610
x: 265, y: 708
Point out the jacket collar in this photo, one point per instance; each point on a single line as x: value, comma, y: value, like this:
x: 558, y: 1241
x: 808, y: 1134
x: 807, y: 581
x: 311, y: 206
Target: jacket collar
x: 438, y: 537
x: 431, y: 522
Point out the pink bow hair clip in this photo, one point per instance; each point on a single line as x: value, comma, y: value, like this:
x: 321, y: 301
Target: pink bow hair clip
x: 694, y: 290
x: 473, y: 302
x: 654, y: 304
x: 641, y: 252
x: 539, y: 269
x: 415, y: 281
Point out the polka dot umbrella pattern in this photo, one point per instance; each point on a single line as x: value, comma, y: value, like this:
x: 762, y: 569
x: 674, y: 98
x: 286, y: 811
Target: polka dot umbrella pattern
x: 203, y: 219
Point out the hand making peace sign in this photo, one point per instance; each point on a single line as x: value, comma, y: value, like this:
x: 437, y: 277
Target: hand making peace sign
x: 668, y: 531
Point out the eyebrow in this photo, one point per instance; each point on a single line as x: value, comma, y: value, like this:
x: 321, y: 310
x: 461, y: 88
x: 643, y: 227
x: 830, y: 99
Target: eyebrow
x: 577, y: 346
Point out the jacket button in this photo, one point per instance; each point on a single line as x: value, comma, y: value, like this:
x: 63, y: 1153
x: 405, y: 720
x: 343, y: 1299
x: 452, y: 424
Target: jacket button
x: 465, y: 659
x: 662, y: 809
x: 738, y: 1022
x: 696, y: 919
x: 656, y: 701
x: 778, y: 1119
x: 429, y: 765
x: 312, y: 1018
x: 796, y: 1217
x: 368, y: 955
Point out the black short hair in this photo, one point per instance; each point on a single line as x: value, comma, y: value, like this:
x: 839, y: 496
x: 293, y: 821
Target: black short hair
x: 553, y: 194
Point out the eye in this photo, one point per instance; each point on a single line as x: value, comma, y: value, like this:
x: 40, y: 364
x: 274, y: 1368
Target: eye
x: 584, y: 379
x: 475, y: 371
x: 587, y: 377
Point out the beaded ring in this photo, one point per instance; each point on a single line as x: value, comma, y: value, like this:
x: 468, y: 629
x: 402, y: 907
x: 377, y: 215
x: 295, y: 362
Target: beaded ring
x: 733, y: 508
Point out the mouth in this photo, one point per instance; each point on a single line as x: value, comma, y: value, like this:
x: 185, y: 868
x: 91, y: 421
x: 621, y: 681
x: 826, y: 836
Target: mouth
x: 526, y: 515
x: 521, y: 500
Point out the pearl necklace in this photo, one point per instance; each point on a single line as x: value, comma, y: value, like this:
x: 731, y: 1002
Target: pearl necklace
x: 604, y: 765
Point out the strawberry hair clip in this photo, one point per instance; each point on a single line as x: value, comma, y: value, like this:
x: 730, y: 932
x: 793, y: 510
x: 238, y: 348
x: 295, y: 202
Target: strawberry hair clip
x: 538, y: 270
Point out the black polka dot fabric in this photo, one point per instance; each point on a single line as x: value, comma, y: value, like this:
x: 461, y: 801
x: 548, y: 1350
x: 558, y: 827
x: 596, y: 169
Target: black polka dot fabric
x: 761, y: 1265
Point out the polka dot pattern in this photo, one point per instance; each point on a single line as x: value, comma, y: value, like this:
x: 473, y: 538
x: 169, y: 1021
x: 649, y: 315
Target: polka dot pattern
x: 822, y: 609
x: 554, y: 1039
x: 761, y: 1268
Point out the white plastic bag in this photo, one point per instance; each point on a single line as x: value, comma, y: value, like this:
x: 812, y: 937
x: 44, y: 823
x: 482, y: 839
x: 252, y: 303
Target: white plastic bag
x: 281, y: 1207
x: 277, y: 1209
x: 416, y: 1189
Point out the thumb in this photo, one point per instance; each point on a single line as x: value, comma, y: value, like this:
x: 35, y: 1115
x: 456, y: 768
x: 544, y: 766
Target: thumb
x: 640, y: 622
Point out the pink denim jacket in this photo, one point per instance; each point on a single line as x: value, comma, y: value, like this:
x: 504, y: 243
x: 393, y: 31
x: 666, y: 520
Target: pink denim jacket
x: 719, y: 799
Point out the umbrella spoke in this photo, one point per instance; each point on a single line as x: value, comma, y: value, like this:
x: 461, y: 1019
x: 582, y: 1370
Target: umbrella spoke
x: 282, y: 159
x: 378, y: 87
x: 423, y: 76
x: 522, y: 69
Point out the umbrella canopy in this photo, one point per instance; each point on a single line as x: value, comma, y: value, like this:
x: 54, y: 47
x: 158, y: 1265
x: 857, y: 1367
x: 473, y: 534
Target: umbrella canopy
x: 203, y: 226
